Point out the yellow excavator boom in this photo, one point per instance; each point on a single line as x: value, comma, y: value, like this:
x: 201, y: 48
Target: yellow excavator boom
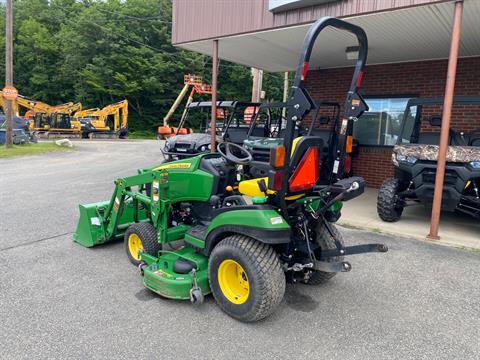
x: 100, y: 120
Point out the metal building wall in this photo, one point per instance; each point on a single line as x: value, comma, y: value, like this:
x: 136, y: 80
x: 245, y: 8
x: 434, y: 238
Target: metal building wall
x: 205, y: 19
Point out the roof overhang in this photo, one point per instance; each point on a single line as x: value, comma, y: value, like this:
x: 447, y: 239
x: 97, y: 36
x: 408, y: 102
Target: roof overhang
x: 410, y: 34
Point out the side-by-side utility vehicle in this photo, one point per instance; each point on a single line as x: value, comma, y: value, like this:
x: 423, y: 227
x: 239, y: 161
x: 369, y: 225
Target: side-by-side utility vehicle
x: 241, y: 252
x: 415, y: 160
x: 233, y: 119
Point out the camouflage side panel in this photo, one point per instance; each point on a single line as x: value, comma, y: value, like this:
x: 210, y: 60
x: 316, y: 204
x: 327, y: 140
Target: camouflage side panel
x: 461, y: 154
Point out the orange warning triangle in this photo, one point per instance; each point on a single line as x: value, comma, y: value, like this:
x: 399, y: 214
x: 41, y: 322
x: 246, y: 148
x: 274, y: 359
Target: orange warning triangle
x: 306, y: 174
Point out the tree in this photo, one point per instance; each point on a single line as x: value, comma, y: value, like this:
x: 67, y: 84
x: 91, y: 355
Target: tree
x: 99, y: 52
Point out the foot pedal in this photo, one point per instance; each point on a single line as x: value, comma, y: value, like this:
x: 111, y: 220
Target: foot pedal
x: 196, y: 235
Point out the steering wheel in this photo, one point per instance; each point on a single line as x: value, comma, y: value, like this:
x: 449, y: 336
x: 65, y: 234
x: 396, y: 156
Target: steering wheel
x: 227, y: 153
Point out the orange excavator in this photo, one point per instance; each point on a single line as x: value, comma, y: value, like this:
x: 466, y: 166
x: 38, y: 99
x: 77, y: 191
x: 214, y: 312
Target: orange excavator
x: 197, y: 86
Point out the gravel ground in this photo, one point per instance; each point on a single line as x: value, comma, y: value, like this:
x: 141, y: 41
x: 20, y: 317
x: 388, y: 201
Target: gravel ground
x: 60, y: 300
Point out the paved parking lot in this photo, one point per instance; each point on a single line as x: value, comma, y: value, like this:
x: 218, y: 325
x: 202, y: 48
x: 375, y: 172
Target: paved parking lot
x: 60, y: 300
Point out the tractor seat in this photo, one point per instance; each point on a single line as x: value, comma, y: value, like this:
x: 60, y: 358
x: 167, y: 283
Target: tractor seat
x: 301, y: 150
x: 250, y: 188
x: 325, y: 135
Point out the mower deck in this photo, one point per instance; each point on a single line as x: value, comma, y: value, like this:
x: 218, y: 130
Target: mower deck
x: 161, y: 277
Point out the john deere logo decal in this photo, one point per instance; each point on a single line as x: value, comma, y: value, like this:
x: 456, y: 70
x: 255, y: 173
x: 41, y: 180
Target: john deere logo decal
x: 174, y: 166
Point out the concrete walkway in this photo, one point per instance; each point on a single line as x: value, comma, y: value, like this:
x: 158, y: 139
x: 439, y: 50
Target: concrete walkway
x: 455, y: 229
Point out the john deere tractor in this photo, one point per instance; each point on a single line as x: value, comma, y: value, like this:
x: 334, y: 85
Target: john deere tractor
x: 189, y: 229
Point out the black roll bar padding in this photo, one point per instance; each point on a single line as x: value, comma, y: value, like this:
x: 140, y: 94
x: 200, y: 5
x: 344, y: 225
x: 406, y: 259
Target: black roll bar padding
x: 320, y: 104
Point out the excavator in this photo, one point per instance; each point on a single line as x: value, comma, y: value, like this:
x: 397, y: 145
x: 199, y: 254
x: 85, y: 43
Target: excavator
x: 108, y: 122
x: 47, y: 120
x: 197, y: 86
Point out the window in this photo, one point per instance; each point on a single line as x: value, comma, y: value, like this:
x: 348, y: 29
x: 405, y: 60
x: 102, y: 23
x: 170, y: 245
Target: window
x: 380, y: 125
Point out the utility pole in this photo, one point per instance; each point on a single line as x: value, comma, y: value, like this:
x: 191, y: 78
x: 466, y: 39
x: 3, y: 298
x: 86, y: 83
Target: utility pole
x: 9, y: 92
x: 213, y: 121
x: 257, y: 84
x: 285, y: 92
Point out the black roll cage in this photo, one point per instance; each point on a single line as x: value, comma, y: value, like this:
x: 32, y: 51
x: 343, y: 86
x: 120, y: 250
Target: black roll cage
x: 220, y: 104
x: 419, y: 102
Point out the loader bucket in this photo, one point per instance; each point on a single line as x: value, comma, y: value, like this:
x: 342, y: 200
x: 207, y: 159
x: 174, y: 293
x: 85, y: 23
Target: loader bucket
x: 90, y: 230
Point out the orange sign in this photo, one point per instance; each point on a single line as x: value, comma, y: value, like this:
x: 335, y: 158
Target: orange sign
x: 248, y: 114
x: 220, y: 113
x: 10, y: 93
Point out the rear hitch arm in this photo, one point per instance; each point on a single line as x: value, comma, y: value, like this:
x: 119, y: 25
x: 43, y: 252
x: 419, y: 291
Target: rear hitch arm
x: 337, y: 266
x: 353, y: 250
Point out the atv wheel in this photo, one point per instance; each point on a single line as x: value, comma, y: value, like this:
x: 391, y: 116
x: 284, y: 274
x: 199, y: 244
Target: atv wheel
x: 141, y: 237
x: 326, y: 242
x: 246, y: 278
x: 389, y: 206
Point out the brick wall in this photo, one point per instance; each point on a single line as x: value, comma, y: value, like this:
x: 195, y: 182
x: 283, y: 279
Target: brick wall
x: 425, y: 79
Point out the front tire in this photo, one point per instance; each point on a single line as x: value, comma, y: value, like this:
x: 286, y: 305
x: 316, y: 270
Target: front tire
x: 389, y: 208
x: 246, y: 278
x: 141, y: 237
x: 325, y: 241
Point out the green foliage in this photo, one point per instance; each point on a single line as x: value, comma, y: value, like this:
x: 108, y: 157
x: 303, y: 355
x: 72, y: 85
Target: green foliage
x: 103, y: 51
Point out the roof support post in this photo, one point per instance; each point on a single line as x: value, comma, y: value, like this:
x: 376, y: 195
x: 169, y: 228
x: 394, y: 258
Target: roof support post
x: 213, y: 122
x: 447, y: 113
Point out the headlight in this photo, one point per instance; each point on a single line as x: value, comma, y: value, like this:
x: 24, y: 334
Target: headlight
x: 475, y: 165
x: 209, y: 146
x: 406, y: 159
x: 203, y: 148
x: 167, y: 145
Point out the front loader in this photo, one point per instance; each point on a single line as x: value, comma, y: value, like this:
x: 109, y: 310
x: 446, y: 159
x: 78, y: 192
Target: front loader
x: 188, y: 227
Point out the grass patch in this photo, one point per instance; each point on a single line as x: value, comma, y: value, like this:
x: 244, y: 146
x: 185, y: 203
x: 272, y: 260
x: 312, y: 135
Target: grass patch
x: 469, y: 249
x: 30, y: 149
x: 142, y: 134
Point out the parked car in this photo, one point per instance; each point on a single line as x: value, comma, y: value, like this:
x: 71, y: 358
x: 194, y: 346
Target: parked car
x: 18, y: 124
x: 19, y: 136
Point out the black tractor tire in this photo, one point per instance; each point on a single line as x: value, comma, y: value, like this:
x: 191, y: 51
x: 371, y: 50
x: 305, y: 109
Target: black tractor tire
x: 147, y: 235
x: 326, y: 242
x: 259, y: 268
x: 388, y: 207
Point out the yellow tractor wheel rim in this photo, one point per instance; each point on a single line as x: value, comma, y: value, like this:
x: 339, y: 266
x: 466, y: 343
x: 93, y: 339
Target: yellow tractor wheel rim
x: 134, y: 246
x: 233, y: 281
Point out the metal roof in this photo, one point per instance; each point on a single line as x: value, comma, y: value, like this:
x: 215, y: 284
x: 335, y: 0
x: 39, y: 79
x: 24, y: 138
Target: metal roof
x: 195, y: 20
x: 410, y: 34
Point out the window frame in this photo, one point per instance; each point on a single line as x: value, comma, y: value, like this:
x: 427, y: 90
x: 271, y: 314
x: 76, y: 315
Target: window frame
x: 396, y: 96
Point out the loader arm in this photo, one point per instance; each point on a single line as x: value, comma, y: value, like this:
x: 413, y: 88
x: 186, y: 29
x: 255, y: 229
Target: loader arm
x: 129, y: 204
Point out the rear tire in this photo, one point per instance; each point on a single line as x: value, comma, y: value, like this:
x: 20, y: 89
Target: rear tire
x: 246, y: 278
x: 388, y: 203
x: 326, y: 242
x: 141, y: 237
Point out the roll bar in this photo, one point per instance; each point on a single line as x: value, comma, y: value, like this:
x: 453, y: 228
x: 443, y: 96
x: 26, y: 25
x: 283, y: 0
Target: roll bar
x: 309, y: 42
x: 300, y: 102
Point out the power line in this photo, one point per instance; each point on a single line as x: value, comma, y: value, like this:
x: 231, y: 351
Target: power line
x: 163, y: 52
x: 157, y: 18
